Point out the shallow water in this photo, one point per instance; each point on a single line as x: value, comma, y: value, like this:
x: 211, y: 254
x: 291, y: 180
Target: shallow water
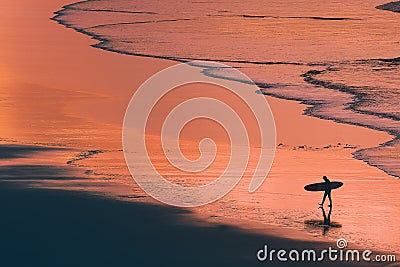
x: 341, y: 56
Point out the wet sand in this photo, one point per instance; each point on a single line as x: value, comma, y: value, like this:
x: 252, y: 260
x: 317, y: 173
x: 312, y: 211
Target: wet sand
x: 58, y: 91
x: 47, y: 227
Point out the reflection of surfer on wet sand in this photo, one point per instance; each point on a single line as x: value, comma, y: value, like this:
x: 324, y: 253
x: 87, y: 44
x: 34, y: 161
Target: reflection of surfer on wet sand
x: 326, y: 186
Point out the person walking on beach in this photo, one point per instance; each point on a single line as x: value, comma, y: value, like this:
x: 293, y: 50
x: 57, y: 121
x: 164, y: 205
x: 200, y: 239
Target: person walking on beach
x: 328, y: 191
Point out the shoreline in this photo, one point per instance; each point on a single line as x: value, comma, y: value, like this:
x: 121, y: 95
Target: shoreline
x: 96, y: 120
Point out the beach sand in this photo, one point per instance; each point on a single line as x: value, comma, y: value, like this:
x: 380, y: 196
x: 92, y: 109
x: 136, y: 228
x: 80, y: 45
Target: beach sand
x: 63, y: 228
x: 58, y: 92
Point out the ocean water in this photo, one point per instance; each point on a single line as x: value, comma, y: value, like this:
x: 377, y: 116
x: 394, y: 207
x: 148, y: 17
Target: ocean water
x: 340, y: 57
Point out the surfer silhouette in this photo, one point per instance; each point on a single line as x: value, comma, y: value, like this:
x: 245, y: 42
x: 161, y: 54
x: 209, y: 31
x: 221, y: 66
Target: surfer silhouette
x: 326, y: 186
x: 328, y: 191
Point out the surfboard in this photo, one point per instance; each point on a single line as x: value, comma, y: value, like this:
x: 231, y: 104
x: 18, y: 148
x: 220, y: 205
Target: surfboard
x: 323, y: 186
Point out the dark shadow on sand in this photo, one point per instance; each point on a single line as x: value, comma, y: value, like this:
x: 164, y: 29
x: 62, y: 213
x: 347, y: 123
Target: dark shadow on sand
x: 21, y: 151
x: 35, y: 172
x: 59, y: 228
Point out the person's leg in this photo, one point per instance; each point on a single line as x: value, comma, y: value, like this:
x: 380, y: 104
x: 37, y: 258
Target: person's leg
x: 323, y: 199
x: 330, y: 199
